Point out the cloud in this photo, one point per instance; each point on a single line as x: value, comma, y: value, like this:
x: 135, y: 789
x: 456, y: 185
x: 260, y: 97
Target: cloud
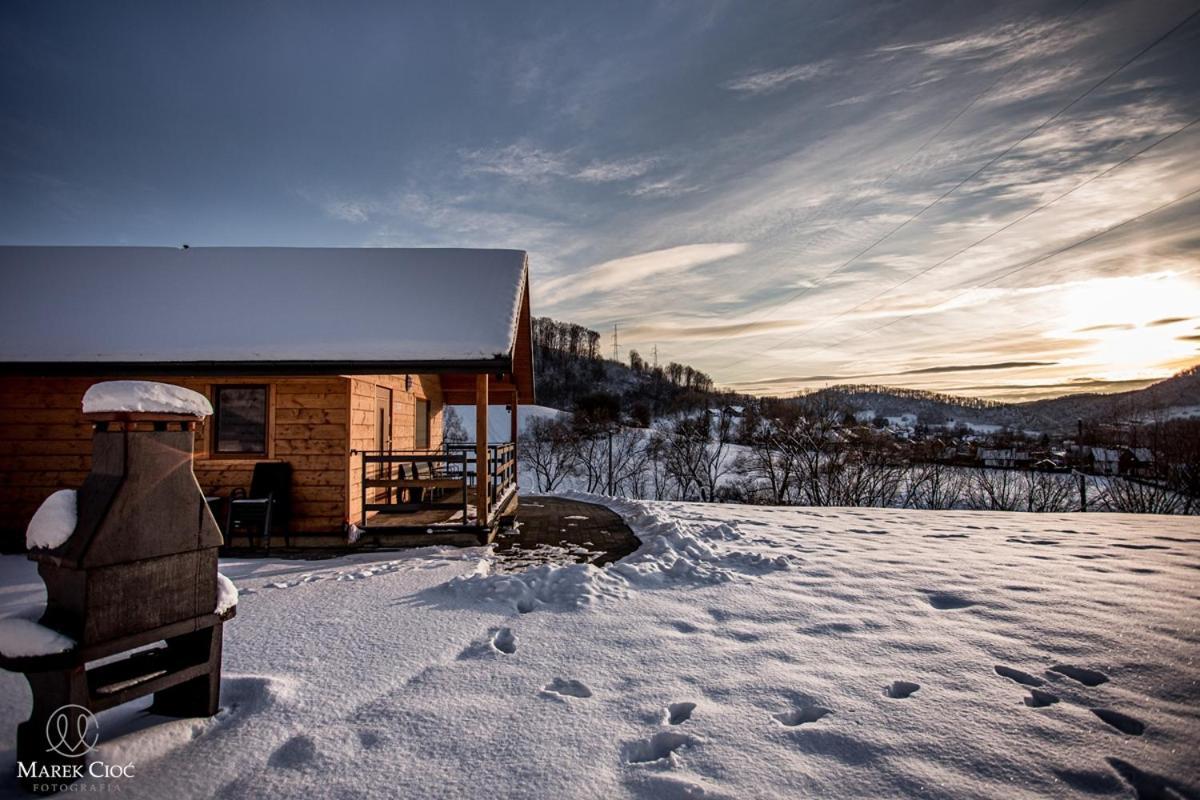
x: 608, y: 171
x: 527, y: 163
x: 519, y: 161
x: 722, y: 331
x: 773, y: 80
x: 1166, y: 321
x: 348, y: 210
x: 976, y: 367
x: 922, y: 371
x: 663, y: 187
x: 1000, y: 46
x: 622, y: 272
x: 1110, y: 326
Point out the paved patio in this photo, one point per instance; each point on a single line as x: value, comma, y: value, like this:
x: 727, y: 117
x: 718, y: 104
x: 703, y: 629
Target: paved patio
x: 556, y: 530
x: 548, y: 530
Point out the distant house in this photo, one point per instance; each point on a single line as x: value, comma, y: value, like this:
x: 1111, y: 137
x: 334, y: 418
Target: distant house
x: 1105, y: 460
x: 1006, y: 458
x: 1138, y: 462
x: 336, y: 361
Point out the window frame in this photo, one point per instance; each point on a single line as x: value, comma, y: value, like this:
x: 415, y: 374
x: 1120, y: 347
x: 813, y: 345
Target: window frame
x: 428, y: 443
x: 214, y: 444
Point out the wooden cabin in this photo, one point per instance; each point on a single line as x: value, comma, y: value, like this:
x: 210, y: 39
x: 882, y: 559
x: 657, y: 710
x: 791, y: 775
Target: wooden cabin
x: 338, y: 362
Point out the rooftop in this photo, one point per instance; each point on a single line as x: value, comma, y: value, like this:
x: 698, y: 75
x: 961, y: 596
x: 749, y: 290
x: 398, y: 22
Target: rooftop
x: 226, y: 305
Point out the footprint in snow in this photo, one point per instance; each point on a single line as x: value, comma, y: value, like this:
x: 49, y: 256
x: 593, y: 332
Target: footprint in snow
x: 679, y: 713
x: 661, y: 745
x: 1147, y: 784
x: 1039, y: 699
x: 1017, y: 675
x: 562, y: 688
x: 1088, y: 677
x: 296, y: 753
x: 946, y: 601
x: 505, y: 641
x: 799, y: 716
x: 898, y: 690
x: 1122, y: 722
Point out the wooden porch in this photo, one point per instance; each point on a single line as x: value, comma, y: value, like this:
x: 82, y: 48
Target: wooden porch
x: 421, y: 490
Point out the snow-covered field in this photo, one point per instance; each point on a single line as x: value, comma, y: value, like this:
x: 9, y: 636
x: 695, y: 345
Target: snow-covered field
x: 742, y: 652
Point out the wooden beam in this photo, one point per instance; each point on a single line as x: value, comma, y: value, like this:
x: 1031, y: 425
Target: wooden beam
x: 513, y: 429
x: 482, y: 476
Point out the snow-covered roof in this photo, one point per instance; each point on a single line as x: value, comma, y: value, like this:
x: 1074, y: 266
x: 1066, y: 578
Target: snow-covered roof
x: 158, y: 305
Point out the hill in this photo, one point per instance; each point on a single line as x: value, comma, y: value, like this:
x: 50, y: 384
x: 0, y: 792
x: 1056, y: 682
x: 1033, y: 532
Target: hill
x: 570, y: 371
x: 1179, y: 394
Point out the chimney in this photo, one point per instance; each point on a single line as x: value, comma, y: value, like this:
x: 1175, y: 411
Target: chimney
x: 144, y: 550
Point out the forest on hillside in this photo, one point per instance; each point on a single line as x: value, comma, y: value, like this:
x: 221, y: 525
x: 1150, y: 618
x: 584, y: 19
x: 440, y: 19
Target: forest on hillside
x: 572, y: 374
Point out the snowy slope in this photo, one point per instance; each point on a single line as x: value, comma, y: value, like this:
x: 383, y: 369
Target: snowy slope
x: 741, y: 652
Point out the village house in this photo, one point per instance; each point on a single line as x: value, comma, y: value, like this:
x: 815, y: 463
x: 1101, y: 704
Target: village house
x: 337, y: 363
x: 1105, y: 460
x: 1005, y: 458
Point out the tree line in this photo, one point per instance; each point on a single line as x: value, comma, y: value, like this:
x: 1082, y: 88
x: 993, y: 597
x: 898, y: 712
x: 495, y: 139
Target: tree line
x: 805, y: 454
x: 570, y: 369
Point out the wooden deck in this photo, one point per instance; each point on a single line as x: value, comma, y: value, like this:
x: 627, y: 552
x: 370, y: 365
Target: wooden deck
x: 550, y: 530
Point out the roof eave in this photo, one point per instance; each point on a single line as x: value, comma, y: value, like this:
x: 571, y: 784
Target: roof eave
x: 500, y: 363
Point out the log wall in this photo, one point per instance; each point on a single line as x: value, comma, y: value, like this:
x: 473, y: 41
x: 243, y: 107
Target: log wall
x: 362, y: 421
x: 45, y: 445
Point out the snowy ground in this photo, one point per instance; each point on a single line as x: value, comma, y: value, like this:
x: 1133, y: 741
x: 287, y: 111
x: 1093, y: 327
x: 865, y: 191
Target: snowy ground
x: 742, y: 652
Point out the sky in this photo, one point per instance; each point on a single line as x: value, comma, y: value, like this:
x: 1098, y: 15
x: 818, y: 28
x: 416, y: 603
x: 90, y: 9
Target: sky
x: 995, y: 200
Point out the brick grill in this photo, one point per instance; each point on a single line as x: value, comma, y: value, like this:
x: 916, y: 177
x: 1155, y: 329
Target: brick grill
x: 139, y: 569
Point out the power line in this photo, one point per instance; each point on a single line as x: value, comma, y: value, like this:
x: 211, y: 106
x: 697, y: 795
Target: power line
x: 994, y: 233
x: 928, y: 141
x: 1161, y: 38
x: 1019, y: 268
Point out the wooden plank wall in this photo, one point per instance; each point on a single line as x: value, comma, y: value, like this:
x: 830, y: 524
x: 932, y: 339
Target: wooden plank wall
x: 45, y: 444
x: 362, y: 421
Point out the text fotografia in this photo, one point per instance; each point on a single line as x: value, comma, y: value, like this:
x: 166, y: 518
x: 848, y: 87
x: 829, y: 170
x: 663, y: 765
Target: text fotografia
x: 72, y: 732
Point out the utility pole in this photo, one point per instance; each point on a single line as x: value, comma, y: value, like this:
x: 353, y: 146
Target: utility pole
x: 616, y: 353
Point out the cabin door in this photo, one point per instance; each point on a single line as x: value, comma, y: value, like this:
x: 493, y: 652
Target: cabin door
x: 383, y: 441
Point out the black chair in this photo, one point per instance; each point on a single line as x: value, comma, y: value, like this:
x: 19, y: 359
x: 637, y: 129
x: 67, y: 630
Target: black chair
x: 267, y: 506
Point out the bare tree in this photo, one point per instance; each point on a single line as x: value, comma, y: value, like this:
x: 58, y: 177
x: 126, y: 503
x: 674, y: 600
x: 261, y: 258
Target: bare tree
x: 996, y: 490
x: 696, y: 454
x: 766, y: 463
x: 935, y: 486
x: 1141, y: 497
x: 452, y: 426
x: 1050, y: 492
x: 548, y: 448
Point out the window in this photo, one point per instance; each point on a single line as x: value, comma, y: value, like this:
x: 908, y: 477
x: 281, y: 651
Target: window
x: 421, y: 432
x: 240, y: 426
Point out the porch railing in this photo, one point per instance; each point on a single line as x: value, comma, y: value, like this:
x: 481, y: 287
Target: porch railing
x: 502, y: 469
x: 410, y: 481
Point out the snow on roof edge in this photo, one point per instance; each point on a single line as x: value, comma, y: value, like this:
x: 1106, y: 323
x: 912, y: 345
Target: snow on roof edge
x: 515, y: 318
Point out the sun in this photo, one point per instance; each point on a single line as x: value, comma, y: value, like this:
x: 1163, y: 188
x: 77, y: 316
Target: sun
x: 1132, y: 326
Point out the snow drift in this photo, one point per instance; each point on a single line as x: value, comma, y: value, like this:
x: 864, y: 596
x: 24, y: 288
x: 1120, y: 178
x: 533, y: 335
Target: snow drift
x: 672, y: 553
